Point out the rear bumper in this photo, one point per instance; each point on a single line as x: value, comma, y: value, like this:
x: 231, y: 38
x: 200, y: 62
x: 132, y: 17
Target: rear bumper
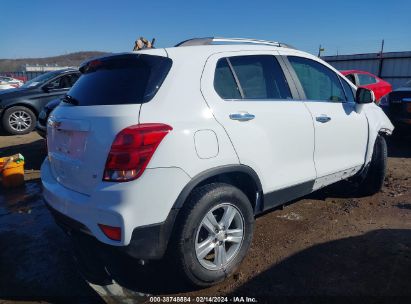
x: 144, y: 214
x: 148, y: 242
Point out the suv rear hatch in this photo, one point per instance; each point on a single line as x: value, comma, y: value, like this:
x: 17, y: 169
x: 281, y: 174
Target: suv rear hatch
x: 106, y: 99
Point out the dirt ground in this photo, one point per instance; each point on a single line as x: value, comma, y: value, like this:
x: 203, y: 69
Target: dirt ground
x: 325, y: 247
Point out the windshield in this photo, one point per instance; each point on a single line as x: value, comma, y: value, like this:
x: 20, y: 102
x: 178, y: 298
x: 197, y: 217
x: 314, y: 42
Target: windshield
x: 408, y: 84
x: 43, y: 78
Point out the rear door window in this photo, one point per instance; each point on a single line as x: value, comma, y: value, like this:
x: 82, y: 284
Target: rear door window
x: 120, y: 79
x: 251, y: 77
x: 224, y: 82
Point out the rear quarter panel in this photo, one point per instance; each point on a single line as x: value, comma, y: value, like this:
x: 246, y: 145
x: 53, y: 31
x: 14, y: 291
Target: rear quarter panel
x: 180, y: 104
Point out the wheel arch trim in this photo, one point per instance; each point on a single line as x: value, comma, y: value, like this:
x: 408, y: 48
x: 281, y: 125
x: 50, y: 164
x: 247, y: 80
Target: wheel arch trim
x: 385, y: 132
x: 21, y: 104
x: 214, y: 172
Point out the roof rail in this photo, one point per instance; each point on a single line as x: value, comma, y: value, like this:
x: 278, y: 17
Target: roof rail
x: 216, y: 40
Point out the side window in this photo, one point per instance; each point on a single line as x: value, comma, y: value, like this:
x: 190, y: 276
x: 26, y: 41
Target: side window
x: 61, y: 82
x: 65, y: 82
x: 259, y: 77
x: 349, y: 92
x: 365, y: 79
x: 318, y: 81
x: 55, y: 84
x: 74, y: 78
x: 351, y: 78
x: 224, y: 82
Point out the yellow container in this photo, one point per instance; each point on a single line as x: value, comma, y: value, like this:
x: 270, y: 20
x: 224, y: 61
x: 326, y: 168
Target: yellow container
x: 12, y: 174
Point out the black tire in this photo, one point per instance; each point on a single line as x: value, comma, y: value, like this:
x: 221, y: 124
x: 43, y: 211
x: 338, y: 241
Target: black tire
x: 12, y: 116
x: 182, y: 248
x: 374, y: 178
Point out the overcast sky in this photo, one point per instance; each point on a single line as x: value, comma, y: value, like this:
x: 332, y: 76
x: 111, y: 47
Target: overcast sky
x: 45, y: 28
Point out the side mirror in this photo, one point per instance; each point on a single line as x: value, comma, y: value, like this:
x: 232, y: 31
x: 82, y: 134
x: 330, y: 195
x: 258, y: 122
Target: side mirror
x: 46, y: 88
x: 364, y: 96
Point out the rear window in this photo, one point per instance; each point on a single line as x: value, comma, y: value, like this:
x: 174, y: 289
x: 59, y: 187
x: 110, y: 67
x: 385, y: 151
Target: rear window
x: 365, y: 79
x: 121, y: 79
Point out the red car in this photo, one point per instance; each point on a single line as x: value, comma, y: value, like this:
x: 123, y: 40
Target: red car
x: 369, y: 81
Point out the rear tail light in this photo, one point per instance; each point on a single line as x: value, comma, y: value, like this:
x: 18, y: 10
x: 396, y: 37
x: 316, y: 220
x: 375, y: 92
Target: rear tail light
x: 113, y: 233
x: 132, y: 149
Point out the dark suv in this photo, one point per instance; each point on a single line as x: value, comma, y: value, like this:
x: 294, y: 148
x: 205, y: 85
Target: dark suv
x: 19, y: 108
x: 397, y: 106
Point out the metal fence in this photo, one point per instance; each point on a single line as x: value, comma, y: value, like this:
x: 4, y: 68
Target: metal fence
x: 394, y: 67
x: 22, y: 75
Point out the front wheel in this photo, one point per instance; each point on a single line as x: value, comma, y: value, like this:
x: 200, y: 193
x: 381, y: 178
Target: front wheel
x: 214, y: 234
x: 373, y: 181
x: 18, y: 120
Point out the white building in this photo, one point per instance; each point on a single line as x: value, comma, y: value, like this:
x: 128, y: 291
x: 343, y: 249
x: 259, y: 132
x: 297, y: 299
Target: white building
x: 43, y: 68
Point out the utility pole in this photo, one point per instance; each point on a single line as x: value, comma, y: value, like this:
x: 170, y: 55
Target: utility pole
x: 320, y: 49
x: 381, y: 58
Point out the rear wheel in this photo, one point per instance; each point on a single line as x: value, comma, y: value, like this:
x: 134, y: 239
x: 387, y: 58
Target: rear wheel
x: 214, y: 234
x: 18, y: 120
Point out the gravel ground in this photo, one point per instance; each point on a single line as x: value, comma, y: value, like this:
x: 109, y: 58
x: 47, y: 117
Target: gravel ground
x: 328, y: 246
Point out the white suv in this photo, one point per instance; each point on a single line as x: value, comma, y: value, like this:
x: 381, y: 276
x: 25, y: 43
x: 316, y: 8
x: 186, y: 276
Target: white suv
x: 174, y: 151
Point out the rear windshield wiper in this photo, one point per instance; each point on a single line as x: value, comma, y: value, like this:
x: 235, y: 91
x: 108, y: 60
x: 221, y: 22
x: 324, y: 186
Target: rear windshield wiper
x: 70, y: 99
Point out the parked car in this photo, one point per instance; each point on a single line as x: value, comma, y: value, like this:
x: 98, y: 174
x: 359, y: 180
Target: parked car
x: 11, y: 81
x: 397, y: 105
x: 41, y: 126
x: 22, y: 78
x: 369, y: 81
x: 6, y: 86
x: 151, y: 154
x: 20, y: 107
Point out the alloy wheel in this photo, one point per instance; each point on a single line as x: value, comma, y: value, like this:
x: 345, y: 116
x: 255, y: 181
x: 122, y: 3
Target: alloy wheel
x: 219, y: 236
x: 20, y: 121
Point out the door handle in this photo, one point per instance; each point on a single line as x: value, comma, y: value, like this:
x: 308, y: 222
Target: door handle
x: 242, y: 116
x: 323, y: 118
